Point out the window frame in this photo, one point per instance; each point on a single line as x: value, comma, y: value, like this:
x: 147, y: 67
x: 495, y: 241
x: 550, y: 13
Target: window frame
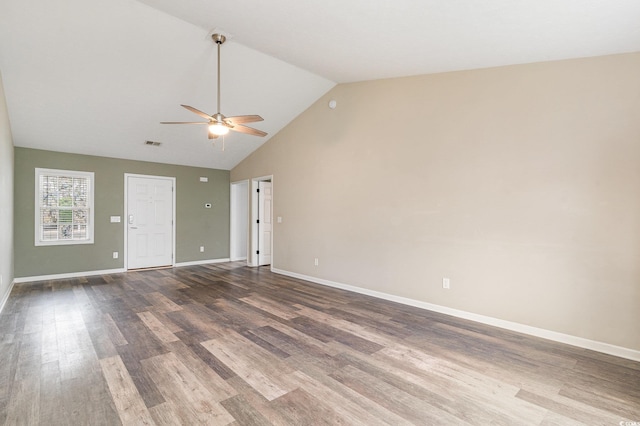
x: 90, y: 176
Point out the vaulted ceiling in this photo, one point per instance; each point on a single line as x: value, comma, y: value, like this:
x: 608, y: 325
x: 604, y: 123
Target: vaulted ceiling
x: 97, y: 77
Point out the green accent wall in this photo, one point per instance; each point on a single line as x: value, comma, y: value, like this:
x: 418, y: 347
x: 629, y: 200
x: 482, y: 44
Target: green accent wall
x: 195, y: 225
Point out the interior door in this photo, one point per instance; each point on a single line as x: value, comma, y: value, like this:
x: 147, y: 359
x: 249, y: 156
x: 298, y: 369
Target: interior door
x: 149, y: 222
x: 265, y: 226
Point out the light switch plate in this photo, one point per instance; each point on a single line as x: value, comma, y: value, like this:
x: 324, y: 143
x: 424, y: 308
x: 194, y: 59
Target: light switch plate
x: 115, y: 219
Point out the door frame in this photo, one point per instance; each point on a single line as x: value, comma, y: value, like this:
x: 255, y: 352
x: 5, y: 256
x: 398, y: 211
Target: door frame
x: 125, y: 253
x: 236, y: 221
x: 252, y: 257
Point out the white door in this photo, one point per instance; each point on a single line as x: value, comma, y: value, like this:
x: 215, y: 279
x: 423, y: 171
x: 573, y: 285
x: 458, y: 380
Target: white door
x: 149, y: 222
x: 265, y: 227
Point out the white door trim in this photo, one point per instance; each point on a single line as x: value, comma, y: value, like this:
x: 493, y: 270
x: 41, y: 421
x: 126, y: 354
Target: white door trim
x: 124, y: 215
x: 252, y: 257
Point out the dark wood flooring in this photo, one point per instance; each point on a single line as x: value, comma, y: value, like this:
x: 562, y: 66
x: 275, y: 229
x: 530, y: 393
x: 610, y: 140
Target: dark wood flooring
x: 221, y: 344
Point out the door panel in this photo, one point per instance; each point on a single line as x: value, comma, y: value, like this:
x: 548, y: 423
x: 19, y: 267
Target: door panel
x: 265, y: 226
x: 150, y: 222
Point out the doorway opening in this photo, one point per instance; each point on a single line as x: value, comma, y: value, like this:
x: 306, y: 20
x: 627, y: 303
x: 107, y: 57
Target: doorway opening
x: 239, y: 226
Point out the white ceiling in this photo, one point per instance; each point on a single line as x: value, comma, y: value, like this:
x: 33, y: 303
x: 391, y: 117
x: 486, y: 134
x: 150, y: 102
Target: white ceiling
x: 97, y: 77
x: 357, y: 40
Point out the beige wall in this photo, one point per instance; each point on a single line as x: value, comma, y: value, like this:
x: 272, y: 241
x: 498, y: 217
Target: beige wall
x: 521, y: 184
x: 6, y: 199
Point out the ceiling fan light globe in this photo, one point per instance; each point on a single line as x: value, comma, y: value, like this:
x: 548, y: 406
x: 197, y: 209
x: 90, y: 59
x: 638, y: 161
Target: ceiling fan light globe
x: 218, y: 129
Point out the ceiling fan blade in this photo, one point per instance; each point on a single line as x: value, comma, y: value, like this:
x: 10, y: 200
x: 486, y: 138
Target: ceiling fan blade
x: 197, y: 111
x: 239, y: 119
x: 248, y: 130
x: 183, y: 122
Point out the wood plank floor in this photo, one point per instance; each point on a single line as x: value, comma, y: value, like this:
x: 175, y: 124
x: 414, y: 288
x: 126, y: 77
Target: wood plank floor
x: 226, y: 344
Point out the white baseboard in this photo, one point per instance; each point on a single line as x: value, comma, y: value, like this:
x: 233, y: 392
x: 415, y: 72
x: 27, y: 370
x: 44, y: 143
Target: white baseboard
x: 104, y: 272
x: 238, y: 259
x: 5, y: 297
x: 568, y: 339
x: 68, y: 275
x: 202, y: 262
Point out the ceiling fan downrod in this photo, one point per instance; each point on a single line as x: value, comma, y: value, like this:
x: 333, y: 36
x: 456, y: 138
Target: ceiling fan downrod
x: 218, y: 39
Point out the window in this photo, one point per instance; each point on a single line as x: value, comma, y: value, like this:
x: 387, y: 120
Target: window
x: 64, y: 207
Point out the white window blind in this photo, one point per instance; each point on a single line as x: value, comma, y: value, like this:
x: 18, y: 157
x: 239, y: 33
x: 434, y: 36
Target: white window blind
x: 64, y: 207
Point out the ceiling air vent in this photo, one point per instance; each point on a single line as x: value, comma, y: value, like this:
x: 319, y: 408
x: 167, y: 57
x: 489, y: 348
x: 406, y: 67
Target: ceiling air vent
x: 152, y: 143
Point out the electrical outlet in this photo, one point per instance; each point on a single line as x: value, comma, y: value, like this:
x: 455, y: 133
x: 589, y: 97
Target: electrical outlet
x: 115, y: 254
x: 446, y: 283
x: 201, y: 249
x: 315, y: 262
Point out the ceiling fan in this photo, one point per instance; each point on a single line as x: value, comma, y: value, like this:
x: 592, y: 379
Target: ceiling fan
x: 220, y: 125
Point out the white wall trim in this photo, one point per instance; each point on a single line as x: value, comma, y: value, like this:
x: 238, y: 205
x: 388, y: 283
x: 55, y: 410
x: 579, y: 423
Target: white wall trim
x: 238, y: 259
x: 104, y: 272
x: 568, y: 339
x: 6, y: 295
x: 68, y: 275
x: 202, y: 262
